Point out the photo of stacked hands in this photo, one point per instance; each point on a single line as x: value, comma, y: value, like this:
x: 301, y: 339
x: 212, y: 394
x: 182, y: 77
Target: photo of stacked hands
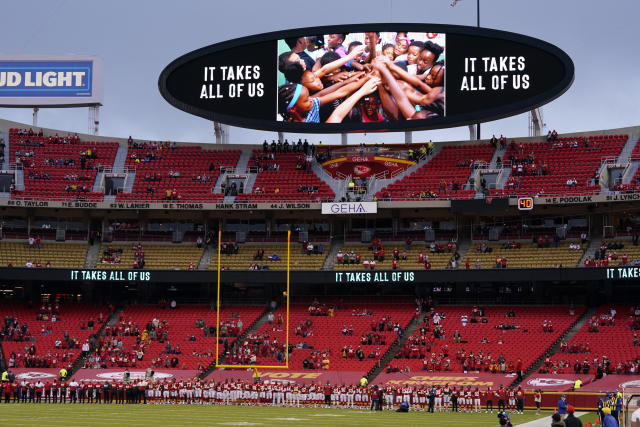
x: 361, y: 77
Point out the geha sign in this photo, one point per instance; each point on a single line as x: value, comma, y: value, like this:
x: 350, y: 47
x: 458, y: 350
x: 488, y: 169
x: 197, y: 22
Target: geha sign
x: 385, y: 77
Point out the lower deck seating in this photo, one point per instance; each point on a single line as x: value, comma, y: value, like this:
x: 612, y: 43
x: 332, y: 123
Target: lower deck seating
x: 336, y: 332
x: 50, y: 336
x: 518, y: 340
x: 181, y: 338
x: 604, y: 343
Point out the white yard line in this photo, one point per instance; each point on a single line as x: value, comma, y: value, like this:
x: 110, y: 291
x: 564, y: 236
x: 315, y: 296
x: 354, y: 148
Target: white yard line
x: 546, y: 421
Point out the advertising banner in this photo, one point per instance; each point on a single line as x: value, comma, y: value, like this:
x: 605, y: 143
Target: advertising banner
x: 134, y: 374
x: 50, y: 80
x: 554, y: 382
x: 480, y: 380
x: 285, y: 376
x: 349, y: 208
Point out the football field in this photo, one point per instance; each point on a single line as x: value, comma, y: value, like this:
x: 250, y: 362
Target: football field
x: 201, y: 415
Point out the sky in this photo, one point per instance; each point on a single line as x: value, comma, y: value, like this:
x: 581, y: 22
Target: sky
x: 137, y: 39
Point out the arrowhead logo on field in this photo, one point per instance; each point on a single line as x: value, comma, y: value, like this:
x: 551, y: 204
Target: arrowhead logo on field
x: 361, y: 170
x: 34, y: 375
x: 632, y: 384
x: 548, y: 382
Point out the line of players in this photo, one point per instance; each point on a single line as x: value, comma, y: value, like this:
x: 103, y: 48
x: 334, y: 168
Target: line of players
x: 425, y: 398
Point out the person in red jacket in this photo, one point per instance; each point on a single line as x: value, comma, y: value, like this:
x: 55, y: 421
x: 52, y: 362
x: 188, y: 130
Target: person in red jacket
x: 327, y: 394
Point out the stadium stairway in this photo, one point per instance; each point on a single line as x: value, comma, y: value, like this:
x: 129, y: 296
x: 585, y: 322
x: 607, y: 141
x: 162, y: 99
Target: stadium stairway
x: 97, y: 184
x: 20, y: 180
x: 255, y: 327
x: 7, y: 152
x: 128, y: 182
x: 217, y: 187
x: 500, y: 152
x: 630, y: 172
x: 207, y: 256
x: 243, y: 161
x: 120, y: 160
x: 248, y: 185
x: 330, y: 260
x: 93, y: 253
x: 627, y: 150
x: 594, y: 244
x: 111, y: 321
x: 336, y: 185
x: 3, y: 364
x: 463, y: 248
x: 393, y: 349
x: 503, y: 177
x: 553, y: 349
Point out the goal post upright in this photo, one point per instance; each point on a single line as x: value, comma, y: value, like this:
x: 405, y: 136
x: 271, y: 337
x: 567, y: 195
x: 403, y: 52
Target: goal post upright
x: 218, y: 301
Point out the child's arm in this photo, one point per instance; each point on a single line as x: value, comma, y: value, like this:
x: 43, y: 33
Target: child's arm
x: 337, y: 86
x: 409, y: 78
x: 402, y: 101
x: 334, y: 65
x: 345, y: 90
x: 343, y: 109
x: 388, y: 105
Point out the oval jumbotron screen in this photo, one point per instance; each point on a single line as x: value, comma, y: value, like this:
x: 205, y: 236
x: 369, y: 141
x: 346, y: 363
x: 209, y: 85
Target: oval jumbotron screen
x: 367, y: 77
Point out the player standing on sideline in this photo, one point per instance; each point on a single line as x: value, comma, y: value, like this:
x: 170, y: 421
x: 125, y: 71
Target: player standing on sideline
x: 73, y: 391
x: 327, y: 395
x: 422, y: 398
x: 489, y: 402
x: 63, y: 390
x: 468, y: 397
x: 438, y: 399
x: 520, y: 400
x: 55, y: 390
x: 460, y: 403
x: 502, y: 395
x: 351, y: 392
x: 537, y: 398
x: 406, y: 394
x: 512, y: 399
x: 431, y: 396
x: 454, y: 400
x: 446, y: 396
x: 388, y: 397
x: 477, y: 408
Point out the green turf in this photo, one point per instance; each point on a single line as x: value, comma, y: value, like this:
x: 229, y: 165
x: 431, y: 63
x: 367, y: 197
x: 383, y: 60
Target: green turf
x: 590, y: 417
x: 196, y: 415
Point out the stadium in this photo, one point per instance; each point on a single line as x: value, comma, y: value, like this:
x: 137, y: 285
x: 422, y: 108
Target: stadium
x: 359, y: 223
